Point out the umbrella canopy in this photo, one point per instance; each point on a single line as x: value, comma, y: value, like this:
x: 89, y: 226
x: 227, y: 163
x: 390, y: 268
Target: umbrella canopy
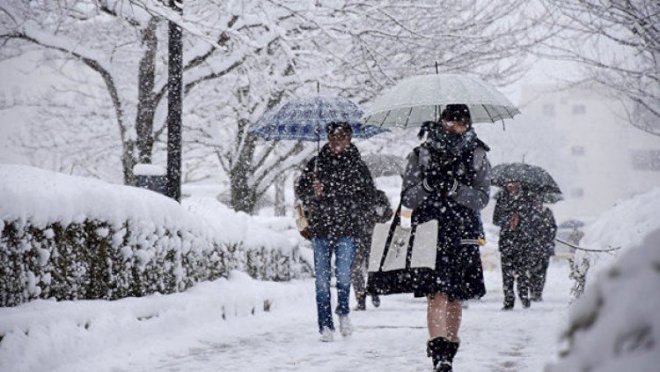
x: 537, y: 178
x: 385, y: 165
x: 551, y: 198
x: 421, y: 98
x: 304, y: 119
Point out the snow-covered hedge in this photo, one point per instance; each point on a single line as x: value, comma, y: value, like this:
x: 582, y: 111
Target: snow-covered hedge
x: 68, y: 237
x: 615, y: 324
x: 624, y: 226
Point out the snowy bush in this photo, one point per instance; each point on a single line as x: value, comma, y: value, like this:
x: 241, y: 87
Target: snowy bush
x: 67, y: 237
x: 623, y: 226
x: 614, y: 325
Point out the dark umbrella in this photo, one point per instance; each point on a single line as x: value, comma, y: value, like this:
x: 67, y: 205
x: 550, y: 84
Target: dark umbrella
x: 534, y: 177
x: 551, y: 198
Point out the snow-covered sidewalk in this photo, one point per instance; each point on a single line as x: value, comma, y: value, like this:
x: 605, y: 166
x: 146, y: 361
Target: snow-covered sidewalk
x: 212, y: 327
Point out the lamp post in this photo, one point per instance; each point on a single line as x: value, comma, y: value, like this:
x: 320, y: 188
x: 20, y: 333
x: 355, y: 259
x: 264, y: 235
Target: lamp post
x: 174, y: 98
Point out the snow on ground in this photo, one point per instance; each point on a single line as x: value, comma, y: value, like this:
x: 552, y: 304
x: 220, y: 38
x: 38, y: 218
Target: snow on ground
x: 223, y: 325
x: 211, y: 327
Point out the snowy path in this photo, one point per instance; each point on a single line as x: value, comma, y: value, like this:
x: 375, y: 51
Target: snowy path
x: 389, y: 338
x: 187, y: 332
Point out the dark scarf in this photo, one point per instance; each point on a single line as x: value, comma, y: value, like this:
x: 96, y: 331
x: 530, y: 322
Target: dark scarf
x: 453, y: 144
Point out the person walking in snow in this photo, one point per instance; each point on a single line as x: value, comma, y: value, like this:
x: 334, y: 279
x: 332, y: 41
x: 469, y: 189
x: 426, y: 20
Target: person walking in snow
x: 379, y: 212
x: 334, y: 188
x: 514, y: 214
x: 448, y: 179
x: 544, y: 231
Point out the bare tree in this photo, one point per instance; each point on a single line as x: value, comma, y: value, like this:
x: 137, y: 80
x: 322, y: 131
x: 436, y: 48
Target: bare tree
x: 242, y: 58
x: 394, y: 39
x: 618, y: 44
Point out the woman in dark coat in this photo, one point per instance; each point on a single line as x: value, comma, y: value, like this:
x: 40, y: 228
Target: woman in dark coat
x: 448, y: 179
x: 334, y: 188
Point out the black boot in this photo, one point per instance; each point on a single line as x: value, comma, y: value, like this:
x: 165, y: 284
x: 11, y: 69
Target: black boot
x: 361, y: 304
x: 442, y: 352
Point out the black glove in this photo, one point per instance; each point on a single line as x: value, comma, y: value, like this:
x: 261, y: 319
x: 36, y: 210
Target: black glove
x: 439, y: 180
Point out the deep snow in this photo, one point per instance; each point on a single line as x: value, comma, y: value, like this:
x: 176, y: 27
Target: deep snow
x: 223, y: 325
x: 211, y: 327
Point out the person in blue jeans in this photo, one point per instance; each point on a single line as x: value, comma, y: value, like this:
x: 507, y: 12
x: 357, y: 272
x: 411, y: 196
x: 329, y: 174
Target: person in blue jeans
x: 335, y: 189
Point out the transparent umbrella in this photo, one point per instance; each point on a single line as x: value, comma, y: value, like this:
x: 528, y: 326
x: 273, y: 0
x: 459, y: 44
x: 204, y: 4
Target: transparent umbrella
x: 421, y: 98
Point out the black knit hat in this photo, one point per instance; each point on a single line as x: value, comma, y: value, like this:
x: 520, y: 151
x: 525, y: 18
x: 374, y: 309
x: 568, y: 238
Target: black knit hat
x: 456, y: 112
x: 338, y: 125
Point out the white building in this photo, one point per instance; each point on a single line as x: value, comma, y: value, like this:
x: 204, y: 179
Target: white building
x: 599, y: 156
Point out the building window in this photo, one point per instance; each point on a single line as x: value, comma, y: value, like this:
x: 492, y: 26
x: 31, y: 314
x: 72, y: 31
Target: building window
x: 579, y: 110
x: 646, y: 160
x: 577, y: 192
x: 577, y: 150
x: 549, y: 109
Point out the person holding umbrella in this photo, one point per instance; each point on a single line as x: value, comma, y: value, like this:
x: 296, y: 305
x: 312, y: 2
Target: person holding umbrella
x: 335, y: 189
x: 513, y: 214
x: 525, y: 228
x: 448, y: 179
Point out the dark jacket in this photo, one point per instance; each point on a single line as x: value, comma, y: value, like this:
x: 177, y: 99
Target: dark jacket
x: 458, y: 213
x: 380, y: 211
x: 348, y: 192
x: 546, y: 230
x: 536, y: 228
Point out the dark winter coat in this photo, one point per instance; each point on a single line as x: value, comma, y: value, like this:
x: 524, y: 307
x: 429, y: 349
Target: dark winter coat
x: 536, y: 228
x: 545, y: 230
x: 460, y: 210
x: 348, y: 191
x: 458, y: 273
x: 380, y: 211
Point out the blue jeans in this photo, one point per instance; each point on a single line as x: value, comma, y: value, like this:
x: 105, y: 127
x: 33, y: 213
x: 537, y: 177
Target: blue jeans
x: 344, y: 249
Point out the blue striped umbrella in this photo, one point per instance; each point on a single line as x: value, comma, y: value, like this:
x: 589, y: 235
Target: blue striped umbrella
x: 305, y: 118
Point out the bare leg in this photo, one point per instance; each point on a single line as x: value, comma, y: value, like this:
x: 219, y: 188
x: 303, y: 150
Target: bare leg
x: 436, y: 315
x: 454, y: 315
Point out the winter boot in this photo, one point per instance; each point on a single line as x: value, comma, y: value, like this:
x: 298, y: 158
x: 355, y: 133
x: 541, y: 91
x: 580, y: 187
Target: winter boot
x: 442, y: 352
x: 361, y: 304
x: 526, y: 303
x: 375, y: 300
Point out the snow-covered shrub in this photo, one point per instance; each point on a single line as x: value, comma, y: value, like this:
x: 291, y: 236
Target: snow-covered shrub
x: 70, y: 237
x: 623, y: 226
x: 615, y: 325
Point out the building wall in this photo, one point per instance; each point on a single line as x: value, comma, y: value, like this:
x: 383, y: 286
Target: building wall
x: 602, y: 158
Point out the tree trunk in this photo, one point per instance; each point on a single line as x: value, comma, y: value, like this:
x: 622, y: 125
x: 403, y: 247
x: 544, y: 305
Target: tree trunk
x: 243, y: 195
x: 128, y: 161
x: 144, y: 121
x: 280, y: 202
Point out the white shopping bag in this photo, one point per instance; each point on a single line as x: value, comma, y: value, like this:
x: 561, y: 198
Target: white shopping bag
x: 423, y: 251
